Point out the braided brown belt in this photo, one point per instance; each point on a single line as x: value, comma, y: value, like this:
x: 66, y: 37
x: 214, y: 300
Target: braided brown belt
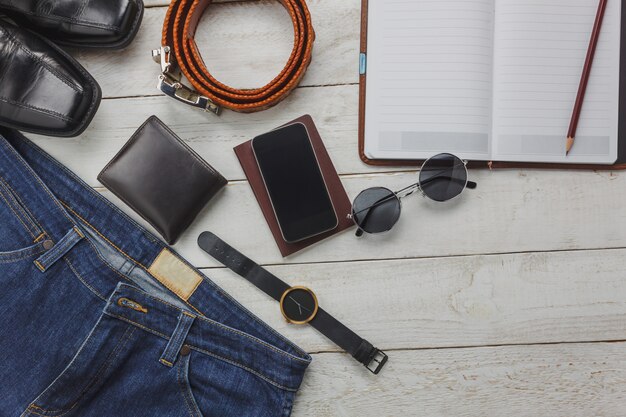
x: 179, y: 54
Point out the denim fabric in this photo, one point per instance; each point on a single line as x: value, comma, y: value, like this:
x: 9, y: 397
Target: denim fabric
x: 100, y: 318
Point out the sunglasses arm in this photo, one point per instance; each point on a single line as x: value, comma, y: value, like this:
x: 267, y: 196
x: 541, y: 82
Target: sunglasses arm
x: 470, y: 184
x: 405, y: 192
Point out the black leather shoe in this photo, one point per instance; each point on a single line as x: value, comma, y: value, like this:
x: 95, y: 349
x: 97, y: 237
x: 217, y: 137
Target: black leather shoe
x: 79, y: 23
x: 43, y: 89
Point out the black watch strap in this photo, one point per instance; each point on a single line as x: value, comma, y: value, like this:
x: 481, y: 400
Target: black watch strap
x: 362, y: 350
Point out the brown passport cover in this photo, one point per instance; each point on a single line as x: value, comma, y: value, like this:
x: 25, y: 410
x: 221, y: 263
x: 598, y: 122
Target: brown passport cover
x: 621, y: 151
x: 338, y: 194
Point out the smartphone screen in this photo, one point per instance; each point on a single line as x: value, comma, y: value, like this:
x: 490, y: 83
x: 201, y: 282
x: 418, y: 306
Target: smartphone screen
x: 294, y: 182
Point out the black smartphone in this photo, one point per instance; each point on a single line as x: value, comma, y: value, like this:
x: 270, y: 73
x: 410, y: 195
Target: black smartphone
x: 294, y: 182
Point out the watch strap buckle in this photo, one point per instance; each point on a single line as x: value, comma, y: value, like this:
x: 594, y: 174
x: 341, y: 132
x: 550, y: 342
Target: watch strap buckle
x: 373, y: 358
x: 377, y: 361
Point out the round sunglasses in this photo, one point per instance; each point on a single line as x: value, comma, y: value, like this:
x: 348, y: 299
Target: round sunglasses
x: 441, y: 178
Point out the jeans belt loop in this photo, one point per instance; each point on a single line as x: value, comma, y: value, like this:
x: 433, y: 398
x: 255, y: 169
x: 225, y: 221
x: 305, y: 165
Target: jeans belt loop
x: 59, y: 250
x: 170, y: 354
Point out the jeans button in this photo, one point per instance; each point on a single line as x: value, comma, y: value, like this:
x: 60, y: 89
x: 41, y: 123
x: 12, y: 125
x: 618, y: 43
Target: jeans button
x: 185, y: 350
x: 48, y: 244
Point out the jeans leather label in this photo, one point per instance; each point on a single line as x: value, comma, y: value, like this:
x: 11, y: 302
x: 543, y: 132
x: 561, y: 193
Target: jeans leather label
x: 177, y: 276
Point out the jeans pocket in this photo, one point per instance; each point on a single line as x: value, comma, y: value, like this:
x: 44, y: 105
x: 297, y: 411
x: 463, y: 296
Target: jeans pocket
x: 182, y: 377
x: 18, y: 227
x: 213, y: 387
x: 26, y: 253
x: 100, y: 355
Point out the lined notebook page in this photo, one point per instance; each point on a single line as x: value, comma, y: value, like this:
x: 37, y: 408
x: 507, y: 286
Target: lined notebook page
x: 429, y: 78
x: 539, y: 52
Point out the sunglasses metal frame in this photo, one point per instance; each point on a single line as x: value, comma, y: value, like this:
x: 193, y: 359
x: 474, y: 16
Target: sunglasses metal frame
x: 407, y: 191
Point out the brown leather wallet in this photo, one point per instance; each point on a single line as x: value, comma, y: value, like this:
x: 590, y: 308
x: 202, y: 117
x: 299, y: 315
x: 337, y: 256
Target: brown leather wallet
x: 162, y: 179
x: 179, y: 53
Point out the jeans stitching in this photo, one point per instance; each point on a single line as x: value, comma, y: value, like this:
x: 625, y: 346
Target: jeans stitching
x: 87, y: 188
x: 97, y: 378
x: 242, y: 366
x: 34, y: 176
x: 175, y: 341
x: 17, y: 215
x: 182, y: 334
x: 182, y: 373
x: 92, y: 227
x: 206, y: 352
x: 19, y: 218
x: 24, y: 206
x: 51, y: 254
x: 20, y: 254
x: 141, y: 326
x: 81, y: 279
x: 54, y: 253
x: 40, y: 266
x: 146, y: 295
x: 20, y: 206
x: 235, y: 331
x: 104, y: 237
x: 253, y: 339
x: 106, y: 263
x: 253, y: 317
x: 61, y: 250
x: 63, y: 206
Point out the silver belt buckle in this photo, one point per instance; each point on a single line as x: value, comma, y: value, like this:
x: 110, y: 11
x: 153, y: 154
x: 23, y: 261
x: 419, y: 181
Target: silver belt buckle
x: 170, y: 84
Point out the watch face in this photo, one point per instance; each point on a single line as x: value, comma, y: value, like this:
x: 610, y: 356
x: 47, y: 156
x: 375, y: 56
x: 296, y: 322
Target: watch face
x: 299, y: 305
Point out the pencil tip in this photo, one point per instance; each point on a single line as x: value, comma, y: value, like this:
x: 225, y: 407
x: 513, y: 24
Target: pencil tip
x: 568, y: 146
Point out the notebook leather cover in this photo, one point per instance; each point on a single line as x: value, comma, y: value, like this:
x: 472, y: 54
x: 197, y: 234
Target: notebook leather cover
x: 621, y: 158
x: 338, y: 194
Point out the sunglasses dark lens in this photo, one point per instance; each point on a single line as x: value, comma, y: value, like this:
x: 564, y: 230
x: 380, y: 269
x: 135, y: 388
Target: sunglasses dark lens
x: 443, y: 177
x: 376, y: 210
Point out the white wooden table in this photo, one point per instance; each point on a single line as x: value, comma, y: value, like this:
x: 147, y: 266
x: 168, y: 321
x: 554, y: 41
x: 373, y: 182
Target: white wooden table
x: 510, y: 301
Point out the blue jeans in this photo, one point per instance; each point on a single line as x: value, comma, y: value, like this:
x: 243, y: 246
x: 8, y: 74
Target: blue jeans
x: 100, y: 318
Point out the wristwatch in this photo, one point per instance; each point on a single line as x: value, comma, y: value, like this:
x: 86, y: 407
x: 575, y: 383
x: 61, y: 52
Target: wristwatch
x: 298, y: 305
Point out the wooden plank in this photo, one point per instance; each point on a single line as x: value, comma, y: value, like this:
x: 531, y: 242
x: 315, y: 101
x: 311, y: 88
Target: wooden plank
x: 245, y: 44
x: 333, y: 108
x: 578, y: 380
x: 465, y: 301
x: 511, y: 211
x: 397, y: 302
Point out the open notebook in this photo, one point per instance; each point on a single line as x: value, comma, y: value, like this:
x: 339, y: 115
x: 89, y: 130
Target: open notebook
x: 488, y: 80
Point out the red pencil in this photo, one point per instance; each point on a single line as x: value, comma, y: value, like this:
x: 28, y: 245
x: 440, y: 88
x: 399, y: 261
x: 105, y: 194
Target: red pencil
x: 580, y: 98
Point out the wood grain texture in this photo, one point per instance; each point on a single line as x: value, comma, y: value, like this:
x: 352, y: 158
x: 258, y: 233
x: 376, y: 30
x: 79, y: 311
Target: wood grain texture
x: 244, y: 44
x: 511, y: 211
x: 332, y: 108
x: 461, y: 301
x: 573, y: 380
x: 464, y: 311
